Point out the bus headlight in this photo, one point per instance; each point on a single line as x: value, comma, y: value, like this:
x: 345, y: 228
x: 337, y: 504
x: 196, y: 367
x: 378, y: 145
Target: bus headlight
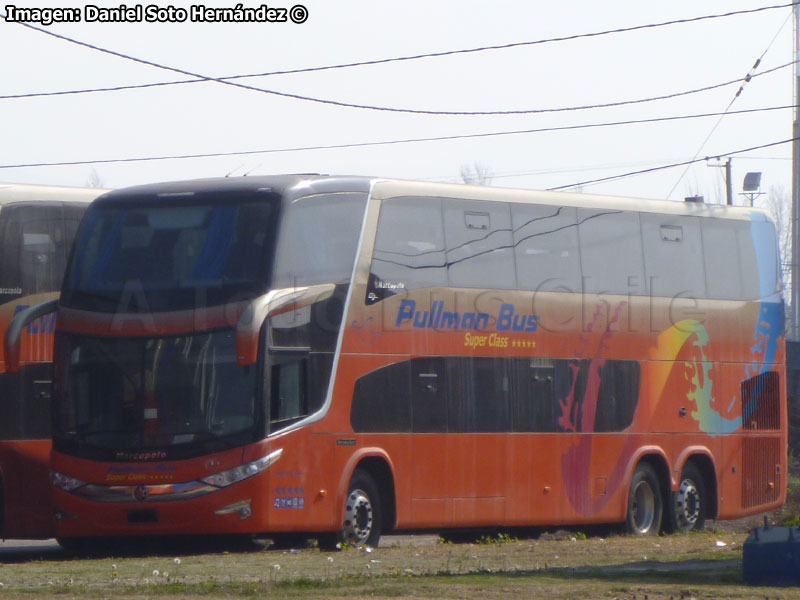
x: 237, y: 474
x: 65, y: 482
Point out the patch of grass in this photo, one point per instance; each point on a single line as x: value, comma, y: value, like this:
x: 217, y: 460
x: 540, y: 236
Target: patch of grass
x: 304, y: 583
x: 500, y: 567
x: 792, y: 520
x: 500, y: 538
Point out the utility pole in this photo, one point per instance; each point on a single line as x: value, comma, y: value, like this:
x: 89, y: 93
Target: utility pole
x: 728, y: 178
x: 795, y: 270
x: 729, y: 181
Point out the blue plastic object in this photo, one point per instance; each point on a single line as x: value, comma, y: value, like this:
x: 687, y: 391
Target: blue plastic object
x: 771, y: 556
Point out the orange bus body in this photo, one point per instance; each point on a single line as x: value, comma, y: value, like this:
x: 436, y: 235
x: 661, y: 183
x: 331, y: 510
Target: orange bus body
x: 647, y: 388
x: 25, y: 444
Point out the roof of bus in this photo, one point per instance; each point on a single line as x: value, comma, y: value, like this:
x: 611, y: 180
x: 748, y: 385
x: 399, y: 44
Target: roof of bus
x: 294, y: 186
x: 21, y: 192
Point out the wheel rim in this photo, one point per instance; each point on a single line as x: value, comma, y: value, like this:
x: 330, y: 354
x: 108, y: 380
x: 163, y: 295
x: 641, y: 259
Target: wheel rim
x: 643, y: 509
x: 687, y: 504
x: 357, y: 518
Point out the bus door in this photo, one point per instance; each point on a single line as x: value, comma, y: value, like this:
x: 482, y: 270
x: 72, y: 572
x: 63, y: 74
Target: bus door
x: 297, y: 382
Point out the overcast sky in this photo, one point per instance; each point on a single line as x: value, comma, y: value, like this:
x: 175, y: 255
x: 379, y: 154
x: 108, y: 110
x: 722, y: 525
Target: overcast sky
x: 210, y: 117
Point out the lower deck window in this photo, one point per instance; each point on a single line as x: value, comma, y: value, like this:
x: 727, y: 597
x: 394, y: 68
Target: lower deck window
x: 482, y: 394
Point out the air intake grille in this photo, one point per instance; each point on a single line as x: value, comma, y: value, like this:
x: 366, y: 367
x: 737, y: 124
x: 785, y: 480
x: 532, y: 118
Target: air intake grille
x: 761, y: 402
x: 760, y: 459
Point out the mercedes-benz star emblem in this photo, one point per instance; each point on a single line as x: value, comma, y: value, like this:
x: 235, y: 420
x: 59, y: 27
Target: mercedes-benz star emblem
x: 140, y: 492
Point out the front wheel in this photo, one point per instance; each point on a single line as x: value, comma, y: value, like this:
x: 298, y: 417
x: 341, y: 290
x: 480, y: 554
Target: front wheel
x: 363, y: 517
x: 687, y: 506
x: 645, y: 507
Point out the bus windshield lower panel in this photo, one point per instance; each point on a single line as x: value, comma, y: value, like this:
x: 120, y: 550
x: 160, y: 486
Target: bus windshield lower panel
x: 166, y: 397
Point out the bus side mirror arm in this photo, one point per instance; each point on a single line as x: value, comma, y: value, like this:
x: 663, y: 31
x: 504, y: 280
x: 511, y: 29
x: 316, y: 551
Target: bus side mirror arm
x: 12, y: 340
x: 272, y: 303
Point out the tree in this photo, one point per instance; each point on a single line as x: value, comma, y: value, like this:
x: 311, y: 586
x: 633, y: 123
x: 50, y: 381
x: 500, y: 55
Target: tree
x: 778, y: 203
x: 476, y: 174
x: 94, y: 180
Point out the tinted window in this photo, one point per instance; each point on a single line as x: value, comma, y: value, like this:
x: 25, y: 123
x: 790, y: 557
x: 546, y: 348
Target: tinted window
x: 409, y: 248
x: 428, y: 395
x: 546, y: 247
x: 723, y: 267
x: 479, y: 247
x: 381, y: 400
x: 319, y: 237
x: 136, y: 257
x: 482, y: 394
x: 478, y: 395
x: 184, y: 394
x: 315, y: 326
x: 741, y: 260
x: 611, y: 252
x: 618, y: 395
x: 25, y: 407
x: 36, y: 243
x: 288, y: 390
x: 540, y: 385
x: 672, y: 254
x: 298, y: 386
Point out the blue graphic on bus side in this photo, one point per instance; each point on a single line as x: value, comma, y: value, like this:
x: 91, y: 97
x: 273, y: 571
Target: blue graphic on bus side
x: 45, y: 324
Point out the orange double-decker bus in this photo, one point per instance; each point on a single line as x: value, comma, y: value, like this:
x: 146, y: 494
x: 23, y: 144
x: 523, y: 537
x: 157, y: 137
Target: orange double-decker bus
x: 37, y: 225
x: 344, y: 356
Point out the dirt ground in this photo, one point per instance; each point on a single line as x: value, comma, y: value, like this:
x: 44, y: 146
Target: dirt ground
x: 561, y: 565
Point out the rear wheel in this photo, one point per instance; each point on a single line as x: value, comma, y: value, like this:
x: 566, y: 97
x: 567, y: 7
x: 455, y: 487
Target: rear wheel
x: 645, y: 506
x: 687, y: 506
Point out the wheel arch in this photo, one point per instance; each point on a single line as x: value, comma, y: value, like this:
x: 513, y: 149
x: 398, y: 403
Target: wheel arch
x: 656, y: 458
x: 701, y: 458
x: 376, y: 462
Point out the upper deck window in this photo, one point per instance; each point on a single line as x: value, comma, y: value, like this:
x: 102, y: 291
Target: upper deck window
x: 318, y: 240
x: 36, y: 238
x: 174, y: 255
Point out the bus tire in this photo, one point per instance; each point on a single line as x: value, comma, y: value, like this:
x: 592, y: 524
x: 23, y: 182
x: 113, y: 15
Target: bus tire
x: 362, y: 512
x: 687, y: 506
x: 645, y: 505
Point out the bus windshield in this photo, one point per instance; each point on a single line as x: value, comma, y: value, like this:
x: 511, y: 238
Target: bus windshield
x: 179, y: 395
x: 140, y: 257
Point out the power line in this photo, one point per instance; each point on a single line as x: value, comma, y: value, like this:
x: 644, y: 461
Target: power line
x: 227, y: 81
x: 550, y: 170
x: 479, y: 48
x: 385, y: 142
x: 661, y: 168
x: 745, y: 81
x: 459, y: 113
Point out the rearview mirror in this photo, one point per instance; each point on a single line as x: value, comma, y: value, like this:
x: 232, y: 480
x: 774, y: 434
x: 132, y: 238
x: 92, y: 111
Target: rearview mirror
x: 272, y: 303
